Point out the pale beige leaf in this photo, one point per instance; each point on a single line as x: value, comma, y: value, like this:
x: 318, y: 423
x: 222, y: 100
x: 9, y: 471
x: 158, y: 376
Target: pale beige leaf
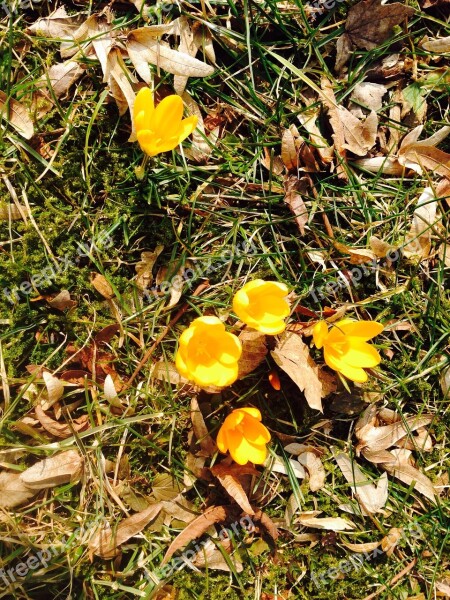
x: 367, y: 547
x: 292, y: 356
x: 57, y: 25
x: 55, y: 390
x: 418, y: 239
x: 315, y: 469
x: 106, y: 541
x: 60, y: 430
x: 369, y: 95
x: 210, y: 557
x: 254, y: 351
x: 338, y: 136
x: 328, y: 523
x: 203, y: 40
x: 164, y: 371
x: 117, y: 70
x: 390, y: 541
x: 143, y: 49
x: 61, y: 301
x: 17, y: 115
x: 276, y: 464
x: 200, y: 430
x: 10, y: 212
x: 308, y: 119
x: 289, y: 153
x: 60, y: 77
x: 110, y: 392
x: 187, y: 46
x: 381, y: 438
x: 297, y: 449
x: 99, y: 30
x: 443, y: 586
x: 407, y: 473
x: 179, y: 509
x: 201, y: 147
x: 357, y: 255
x: 66, y: 467
x: 437, y: 45
x: 359, y: 135
x: 212, y: 515
x: 13, y: 491
x: 193, y: 469
x: 380, y: 164
x: 372, y: 498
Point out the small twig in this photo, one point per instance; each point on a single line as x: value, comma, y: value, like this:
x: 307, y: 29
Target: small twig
x: 147, y: 355
x: 393, y: 580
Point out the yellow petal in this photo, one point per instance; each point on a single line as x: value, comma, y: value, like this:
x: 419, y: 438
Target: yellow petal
x: 148, y: 142
x: 253, y: 412
x: 273, y: 329
x: 361, y: 354
x: 242, y: 450
x: 167, y: 116
x: 221, y: 440
x: 229, y: 348
x: 187, y: 126
x: 320, y: 333
x: 216, y: 374
x: 256, y: 433
x: 365, y: 330
x: 335, y: 362
x: 143, y: 102
x: 181, y: 365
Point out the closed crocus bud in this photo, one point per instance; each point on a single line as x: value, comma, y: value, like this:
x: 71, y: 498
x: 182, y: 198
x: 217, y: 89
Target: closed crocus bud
x: 263, y: 306
x: 244, y: 436
x: 207, y: 354
x: 162, y: 128
x: 345, y: 347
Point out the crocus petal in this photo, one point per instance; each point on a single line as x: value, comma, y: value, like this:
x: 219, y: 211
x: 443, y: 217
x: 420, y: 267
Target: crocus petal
x: 181, y: 365
x: 273, y: 329
x: 221, y: 440
x: 167, y: 116
x: 320, y: 333
x: 365, y: 330
x: 215, y: 374
x: 256, y: 433
x: 143, y: 103
x: 229, y: 350
x: 253, y: 412
x: 242, y: 450
x: 334, y: 361
x: 187, y: 126
x: 361, y: 354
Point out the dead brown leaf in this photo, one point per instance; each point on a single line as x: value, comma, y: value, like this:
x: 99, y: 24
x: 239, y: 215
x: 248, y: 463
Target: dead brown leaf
x: 254, y: 351
x: 17, y: 116
x: 315, y: 469
x: 295, y: 189
x: 212, y: 515
x: 201, y: 432
x: 13, y: 491
x: 61, y: 430
x: 360, y: 136
x: 292, y: 356
x: 66, y: 467
x: 106, y: 541
x: 401, y: 468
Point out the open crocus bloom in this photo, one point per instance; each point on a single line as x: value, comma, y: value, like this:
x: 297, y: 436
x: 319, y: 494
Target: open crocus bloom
x: 162, y: 128
x: 207, y: 354
x: 244, y: 436
x: 263, y: 305
x: 345, y: 347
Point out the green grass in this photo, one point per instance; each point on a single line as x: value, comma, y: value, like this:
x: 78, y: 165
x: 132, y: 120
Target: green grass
x: 270, y: 58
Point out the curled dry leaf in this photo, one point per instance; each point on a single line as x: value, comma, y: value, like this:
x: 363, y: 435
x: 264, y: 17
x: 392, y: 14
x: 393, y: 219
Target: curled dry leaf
x: 292, y: 356
x: 276, y: 464
x: 55, y: 390
x: 418, y: 239
x: 328, y: 523
x: 372, y: 498
x: 376, y: 438
x: 315, y: 469
x: 17, y: 116
x: 370, y: 95
x: 106, y: 541
x: 144, y: 268
x: 210, y: 557
x: 367, y: 547
x: 294, y: 189
x: 61, y: 430
x: 254, y: 351
x: 202, y: 146
x: 358, y: 256
x: 329, y: 101
x: 61, y: 301
x: 401, y: 468
x: 233, y: 487
x: 57, y: 25
x: 360, y: 136
x: 66, y: 467
x: 117, y: 72
x: 390, y: 541
x: 13, y: 491
x: 144, y: 49
x: 437, y: 45
x: 212, y: 515
x: 308, y: 119
x: 101, y: 284
x: 423, y: 154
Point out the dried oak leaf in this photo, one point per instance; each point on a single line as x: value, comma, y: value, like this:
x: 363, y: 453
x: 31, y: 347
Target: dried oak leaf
x: 369, y: 23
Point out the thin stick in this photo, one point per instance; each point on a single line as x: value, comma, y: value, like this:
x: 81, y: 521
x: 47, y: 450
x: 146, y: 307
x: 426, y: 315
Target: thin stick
x: 393, y: 580
x: 147, y: 355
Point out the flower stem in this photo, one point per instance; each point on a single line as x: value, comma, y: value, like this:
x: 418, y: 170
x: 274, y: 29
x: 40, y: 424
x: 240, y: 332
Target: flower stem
x: 140, y: 171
